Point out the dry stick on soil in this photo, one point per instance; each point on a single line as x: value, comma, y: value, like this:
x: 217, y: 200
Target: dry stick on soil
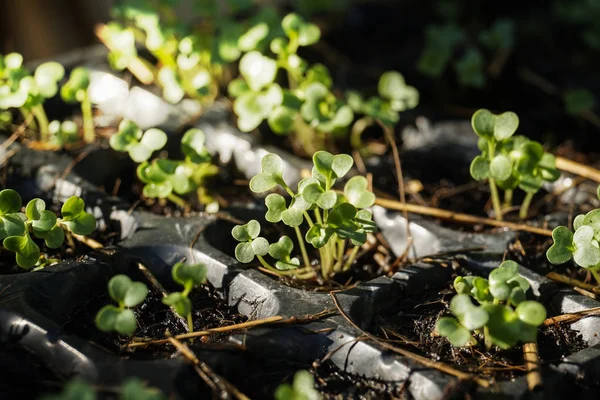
x: 532, y: 364
x: 91, y: 243
x: 141, y: 71
x: 440, y: 366
x: 571, y: 317
x: 18, y: 132
x: 458, y: 217
x: 389, y: 135
x: 576, y: 168
x: 243, y: 325
x: 214, y: 381
x: 585, y: 293
x: 573, y: 282
x: 154, y: 282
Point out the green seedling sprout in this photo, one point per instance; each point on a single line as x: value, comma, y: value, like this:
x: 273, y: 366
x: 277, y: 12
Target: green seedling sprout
x: 131, y: 389
x: 75, y: 90
x: 20, y: 90
x: 503, y: 315
x: 581, y: 245
x: 189, y: 276
x: 127, y: 294
x: 63, y: 133
x: 302, y: 388
x: 164, y: 178
x: 17, y: 227
x: 334, y: 220
x: 508, y: 161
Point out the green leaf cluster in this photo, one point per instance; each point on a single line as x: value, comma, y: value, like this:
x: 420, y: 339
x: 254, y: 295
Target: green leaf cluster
x: 189, y: 276
x: 582, y: 245
x: 502, y: 314
x: 127, y: 294
x: 17, y: 227
x: 140, y: 145
x: 450, y: 44
x: 510, y: 161
x: 339, y: 218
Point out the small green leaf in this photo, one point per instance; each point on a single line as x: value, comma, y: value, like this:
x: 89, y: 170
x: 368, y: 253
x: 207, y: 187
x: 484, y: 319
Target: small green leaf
x: 84, y: 224
x: 125, y: 323
x: 154, y: 139
x: 26, y: 251
x: 562, y: 249
x: 118, y: 286
x: 281, y: 119
x: 504, y: 273
x: 282, y: 249
x: 294, y: 215
x: 244, y: 252
x: 10, y: 201
x: 506, y: 125
x: 72, y: 208
x: 252, y: 37
x: 192, y: 145
x: 318, y: 235
x: 257, y: 70
x: 47, y: 76
x: 136, y: 293
x: 295, y: 27
x: 480, y: 168
x: 587, y: 253
x: 12, y: 225
x: 531, y: 312
x: 107, y: 317
x: 483, y: 123
x: 357, y: 193
x: 470, y: 316
x: 275, y: 205
x: 189, y: 275
x: 504, y: 327
x: 271, y: 175
x: 55, y: 237
x: 180, y: 303
x: 247, y: 232
x: 260, y: 246
x: 500, y: 167
x: 458, y: 335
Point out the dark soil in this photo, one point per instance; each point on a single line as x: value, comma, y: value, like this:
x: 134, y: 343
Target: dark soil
x: 335, y: 384
x: 154, y: 319
x: 416, y: 319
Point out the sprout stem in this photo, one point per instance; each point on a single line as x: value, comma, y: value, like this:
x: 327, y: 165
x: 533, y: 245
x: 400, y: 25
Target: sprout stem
x: 190, y: 323
x: 302, y: 247
x: 42, y: 120
x: 525, y: 206
x: 177, y: 200
x: 495, y: 199
x: 89, y: 132
x: 351, y: 258
x: 301, y: 273
x: 595, y: 273
x: 508, y: 198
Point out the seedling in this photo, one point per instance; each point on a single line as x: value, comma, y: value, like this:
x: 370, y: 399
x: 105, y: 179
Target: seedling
x: 442, y: 42
x: 20, y: 90
x: 508, y: 161
x: 16, y: 227
x: 303, y: 388
x: 127, y: 294
x: 140, y: 145
x: 339, y: 219
x: 166, y: 178
x: 63, y: 133
x: 189, y: 276
x: 76, y: 90
x: 306, y: 107
x: 581, y: 246
x: 504, y: 316
x: 131, y: 389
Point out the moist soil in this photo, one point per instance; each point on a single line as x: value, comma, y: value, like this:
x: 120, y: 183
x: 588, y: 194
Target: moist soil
x: 416, y: 318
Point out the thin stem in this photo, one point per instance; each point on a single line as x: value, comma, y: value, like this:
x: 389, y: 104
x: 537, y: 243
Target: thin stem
x: 486, y: 337
x: 308, y: 219
x: 348, y: 264
x: 492, y: 183
x: 302, y: 247
x: 508, y: 198
x: 595, y: 273
x: 190, y: 323
x: 172, y: 197
x: 525, y: 206
x: 89, y: 133
x: 42, y: 121
x: 301, y: 273
x: 318, y: 216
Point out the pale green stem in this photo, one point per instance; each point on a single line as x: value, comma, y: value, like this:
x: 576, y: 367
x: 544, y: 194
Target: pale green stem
x: 486, y: 337
x: 508, y: 197
x: 341, y: 245
x: 42, y: 121
x: 190, y: 323
x: 493, y: 188
x: 525, y: 206
x: 351, y: 258
x: 308, y: 219
x: 172, y: 197
x: 302, y: 247
x: 89, y: 133
x: 26, y: 114
x: 318, y: 216
x: 302, y: 273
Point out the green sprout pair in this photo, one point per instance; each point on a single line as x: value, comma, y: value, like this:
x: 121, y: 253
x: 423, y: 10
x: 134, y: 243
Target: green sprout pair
x: 443, y: 41
x: 165, y: 178
x: 17, y: 227
x: 127, y: 294
x: 189, y: 276
x: 504, y: 316
x: 20, y: 90
x: 131, y: 389
x: 302, y: 388
x: 508, y: 161
x: 582, y: 245
x: 307, y: 108
x: 339, y: 218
